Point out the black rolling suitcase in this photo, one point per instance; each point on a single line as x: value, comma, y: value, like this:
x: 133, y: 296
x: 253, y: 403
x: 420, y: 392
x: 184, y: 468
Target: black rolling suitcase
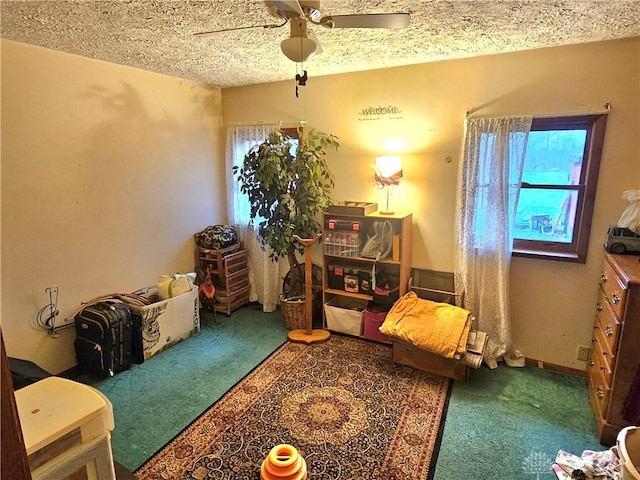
x: 103, y: 338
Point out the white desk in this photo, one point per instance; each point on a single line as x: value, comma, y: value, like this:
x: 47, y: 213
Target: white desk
x: 66, y: 425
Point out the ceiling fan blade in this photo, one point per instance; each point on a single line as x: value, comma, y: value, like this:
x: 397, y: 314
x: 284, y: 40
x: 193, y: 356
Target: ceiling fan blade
x: 274, y: 25
x: 372, y: 20
x: 288, y: 8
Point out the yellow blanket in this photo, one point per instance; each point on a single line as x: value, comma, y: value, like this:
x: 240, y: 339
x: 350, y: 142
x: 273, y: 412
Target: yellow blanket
x: 439, y: 328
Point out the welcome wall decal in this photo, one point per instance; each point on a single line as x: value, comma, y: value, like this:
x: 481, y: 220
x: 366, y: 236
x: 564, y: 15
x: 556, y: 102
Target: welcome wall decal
x: 388, y: 112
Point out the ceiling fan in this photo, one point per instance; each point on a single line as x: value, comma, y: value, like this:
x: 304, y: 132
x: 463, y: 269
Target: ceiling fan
x: 302, y: 44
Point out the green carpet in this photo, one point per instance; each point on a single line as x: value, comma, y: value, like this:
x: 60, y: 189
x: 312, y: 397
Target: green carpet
x: 509, y: 423
x: 154, y: 401
x: 502, y: 424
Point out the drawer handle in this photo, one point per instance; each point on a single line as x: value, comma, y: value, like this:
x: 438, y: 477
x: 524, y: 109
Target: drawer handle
x: 591, y: 362
x: 603, y: 277
x: 604, y: 354
x: 615, y: 297
x: 608, y: 331
x: 599, y: 307
x: 602, y: 368
x: 600, y: 392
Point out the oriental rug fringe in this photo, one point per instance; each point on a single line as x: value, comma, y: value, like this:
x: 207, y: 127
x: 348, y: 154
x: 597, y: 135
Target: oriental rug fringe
x: 350, y: 411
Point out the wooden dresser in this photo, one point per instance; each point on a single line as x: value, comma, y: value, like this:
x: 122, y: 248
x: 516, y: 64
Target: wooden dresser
x: 614, y: 363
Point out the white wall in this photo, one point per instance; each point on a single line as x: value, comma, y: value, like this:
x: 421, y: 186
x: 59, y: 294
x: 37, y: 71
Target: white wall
x: 552, y: 302
x: 107, y: 172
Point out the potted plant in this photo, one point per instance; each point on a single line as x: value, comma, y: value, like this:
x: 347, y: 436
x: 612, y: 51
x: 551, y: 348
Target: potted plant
x: 287, y: 188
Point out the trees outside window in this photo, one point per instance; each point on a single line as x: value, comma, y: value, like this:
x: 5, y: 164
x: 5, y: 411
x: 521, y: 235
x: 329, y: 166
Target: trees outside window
x: 558, y: 187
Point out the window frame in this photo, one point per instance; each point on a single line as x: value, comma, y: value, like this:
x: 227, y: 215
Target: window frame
x: 292, y: 132
x: 576, y: 251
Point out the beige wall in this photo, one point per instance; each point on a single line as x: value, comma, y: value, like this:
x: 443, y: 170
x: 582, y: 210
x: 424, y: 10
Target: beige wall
x: 107, y: 171
x: 552, y: 302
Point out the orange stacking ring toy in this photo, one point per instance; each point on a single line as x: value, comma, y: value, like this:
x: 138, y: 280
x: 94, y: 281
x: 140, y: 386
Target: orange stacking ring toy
x: 283, y: 463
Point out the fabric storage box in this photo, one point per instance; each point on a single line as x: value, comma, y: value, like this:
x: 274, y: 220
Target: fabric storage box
x: 364, y: 282
x: 372, y: 320
x: 166, y: 322
x: 336, y: 277
x: 344, y: 315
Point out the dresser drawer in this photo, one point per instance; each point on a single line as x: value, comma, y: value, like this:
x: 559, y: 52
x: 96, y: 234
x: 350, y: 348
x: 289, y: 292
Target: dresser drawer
x: 614, y: 290
x: 608, y: 356
x: 599, y: 393
x: 607, y: 322
x: 598, y: 362
x: 237, y: 280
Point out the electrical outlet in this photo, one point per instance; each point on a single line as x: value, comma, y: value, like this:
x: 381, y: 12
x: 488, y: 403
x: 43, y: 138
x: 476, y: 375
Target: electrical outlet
x: 583, y: 353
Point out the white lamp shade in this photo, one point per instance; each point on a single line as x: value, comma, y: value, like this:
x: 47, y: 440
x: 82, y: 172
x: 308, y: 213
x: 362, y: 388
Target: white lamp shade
x: 389, y: 167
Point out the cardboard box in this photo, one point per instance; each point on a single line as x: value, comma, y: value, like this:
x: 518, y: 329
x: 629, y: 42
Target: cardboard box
x: 167, y: 322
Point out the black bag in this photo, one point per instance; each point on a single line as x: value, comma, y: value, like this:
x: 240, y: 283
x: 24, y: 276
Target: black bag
x: 103, y: 338
x: 25, y: 372
x: 387, y: 289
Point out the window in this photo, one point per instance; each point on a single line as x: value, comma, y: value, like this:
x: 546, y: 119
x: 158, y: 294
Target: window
x: 558, y: 187
x: 294, y: 136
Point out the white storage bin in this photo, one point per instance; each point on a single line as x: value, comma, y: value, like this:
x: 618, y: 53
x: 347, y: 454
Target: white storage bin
x: 344, y: 315
x: 167, y: 322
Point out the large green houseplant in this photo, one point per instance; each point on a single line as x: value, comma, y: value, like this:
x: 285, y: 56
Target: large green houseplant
x: 287, y: 188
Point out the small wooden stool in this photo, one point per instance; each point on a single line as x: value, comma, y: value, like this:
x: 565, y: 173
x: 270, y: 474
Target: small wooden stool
x: 66, y: 426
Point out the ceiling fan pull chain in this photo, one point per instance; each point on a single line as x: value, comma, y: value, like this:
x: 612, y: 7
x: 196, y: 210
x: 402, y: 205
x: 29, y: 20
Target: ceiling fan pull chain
x: 301, y: 80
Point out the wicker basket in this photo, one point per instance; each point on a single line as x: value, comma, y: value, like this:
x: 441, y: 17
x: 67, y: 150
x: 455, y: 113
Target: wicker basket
x: 294, y: 313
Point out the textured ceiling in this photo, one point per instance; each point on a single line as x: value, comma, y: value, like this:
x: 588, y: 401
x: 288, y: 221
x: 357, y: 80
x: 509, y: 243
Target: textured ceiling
x: 158, y: 35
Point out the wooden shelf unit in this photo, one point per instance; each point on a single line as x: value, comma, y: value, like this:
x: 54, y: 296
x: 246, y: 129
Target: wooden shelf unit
x: 400, y: 267
x: 230, y: 275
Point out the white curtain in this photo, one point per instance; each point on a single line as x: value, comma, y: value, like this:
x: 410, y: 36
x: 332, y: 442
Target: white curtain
x: 263, y: 272
x: 488, y: 188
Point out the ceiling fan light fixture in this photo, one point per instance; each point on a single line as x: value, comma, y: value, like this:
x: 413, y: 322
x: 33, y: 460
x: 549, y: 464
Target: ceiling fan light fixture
x: 298, y: 49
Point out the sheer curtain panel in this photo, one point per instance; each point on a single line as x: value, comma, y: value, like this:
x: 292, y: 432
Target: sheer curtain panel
x: 488, y: 188
x: 263, y: 272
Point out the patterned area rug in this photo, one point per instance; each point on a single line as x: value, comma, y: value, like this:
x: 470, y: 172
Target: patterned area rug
x: 349, y: 410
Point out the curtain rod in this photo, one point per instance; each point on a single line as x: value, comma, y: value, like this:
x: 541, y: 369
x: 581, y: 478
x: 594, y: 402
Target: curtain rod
x: 607, y: 109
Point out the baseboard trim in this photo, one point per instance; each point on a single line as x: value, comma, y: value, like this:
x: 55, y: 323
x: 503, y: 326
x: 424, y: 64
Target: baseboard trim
x: 556, y: 368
